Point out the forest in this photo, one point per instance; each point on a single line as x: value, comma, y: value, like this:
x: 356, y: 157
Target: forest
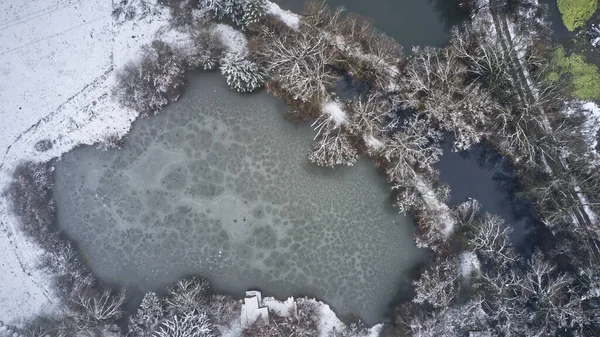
x: 491, y: 83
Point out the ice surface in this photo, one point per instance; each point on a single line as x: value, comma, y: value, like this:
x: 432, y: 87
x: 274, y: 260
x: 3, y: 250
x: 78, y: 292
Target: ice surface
x: 219, y: 185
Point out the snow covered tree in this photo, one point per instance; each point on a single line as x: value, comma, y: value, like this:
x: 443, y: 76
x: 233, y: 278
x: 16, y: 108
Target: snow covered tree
x: 412, y: 149
x: 438, y: 285
x: 243, y: 13
x: 186, y: 325
x: 435, y: 83
x: 332, y: 146
x: 216, y: 8
x: 489, y: 238
x: 254, y: 11
x: 100, y: 306
x: 296, y: 62
x: 147, y: 317
x: 186, y: 296
x: 206, y: 49
x: 242, y: 74
x: 368, y: 120
x: 148, y: 85
x: 234, y: 10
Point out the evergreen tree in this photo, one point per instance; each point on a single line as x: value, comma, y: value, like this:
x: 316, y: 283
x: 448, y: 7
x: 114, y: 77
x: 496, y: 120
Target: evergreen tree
x: 242, y: 74
x: 254, y: 10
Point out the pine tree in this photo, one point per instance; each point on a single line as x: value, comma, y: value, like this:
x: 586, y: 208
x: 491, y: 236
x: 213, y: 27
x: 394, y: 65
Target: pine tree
x: 216, y: 8
x: 242, y: 74
x: 254, y: 10
x: 234, y: 9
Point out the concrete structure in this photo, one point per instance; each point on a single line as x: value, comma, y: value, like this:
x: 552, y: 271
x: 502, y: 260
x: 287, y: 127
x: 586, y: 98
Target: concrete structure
x: 253, y: 309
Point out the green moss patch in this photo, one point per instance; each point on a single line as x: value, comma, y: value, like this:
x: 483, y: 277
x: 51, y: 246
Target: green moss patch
x: 575, y: 13
x: 583, y: 77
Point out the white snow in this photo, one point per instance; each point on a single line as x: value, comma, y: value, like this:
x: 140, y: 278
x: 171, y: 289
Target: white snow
x: 57, y: 67
x: 287, y: 17
x: 469, y: 263
x: 281, y: 308
x: 442, y: 210
x: 233, y: 39
x: 336, y: 111
x: 591, y: 127
x: 585, y: 205
x: 327, y: 320
x: 373, y: 142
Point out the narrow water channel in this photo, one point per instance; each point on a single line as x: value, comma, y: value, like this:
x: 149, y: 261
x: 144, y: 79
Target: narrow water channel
x: 410, y: 22
x: 219, y: 185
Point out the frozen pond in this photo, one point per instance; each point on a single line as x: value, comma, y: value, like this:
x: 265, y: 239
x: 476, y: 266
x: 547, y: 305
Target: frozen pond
x: 219, y: 185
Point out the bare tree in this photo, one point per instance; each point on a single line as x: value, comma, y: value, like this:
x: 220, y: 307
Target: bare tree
x: 187, y: 295
x: 332, y: 148
x: 438, y: 285
x: 186, y: 325
x: 435, y: 82
x: 296, y: 61
x: 368, y: 120
x: 489, y: 238
x: 318, y: 15
x: 412, y: 149
x: 332, y: 144
x: 557, y: 305
x: 101, y: 306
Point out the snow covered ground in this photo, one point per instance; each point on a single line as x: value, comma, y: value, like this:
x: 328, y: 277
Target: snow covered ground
x: 57, y: 65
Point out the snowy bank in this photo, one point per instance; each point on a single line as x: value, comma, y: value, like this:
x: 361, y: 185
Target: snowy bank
x: 58, y: 63
x: 287, y: 17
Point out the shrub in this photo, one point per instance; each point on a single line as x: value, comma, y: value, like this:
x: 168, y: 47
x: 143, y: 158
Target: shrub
x: 43, y: 145
x: 31, y: 196
x: 206, y: 51
x: 223, y: 309
x: 152, y: 82
x: 575, y: 13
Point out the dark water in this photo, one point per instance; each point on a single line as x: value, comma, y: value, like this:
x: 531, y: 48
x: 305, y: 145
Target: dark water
x: 410, y: 22
x: 482, y: 174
